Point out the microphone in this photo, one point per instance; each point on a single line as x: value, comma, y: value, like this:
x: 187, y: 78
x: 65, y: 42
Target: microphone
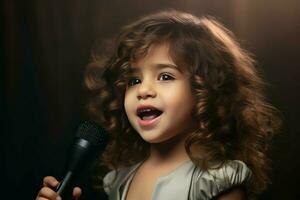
x: 90, y: 141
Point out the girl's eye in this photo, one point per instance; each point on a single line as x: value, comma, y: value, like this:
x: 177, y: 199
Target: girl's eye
x: 133, y: 81
x: 165, y: 77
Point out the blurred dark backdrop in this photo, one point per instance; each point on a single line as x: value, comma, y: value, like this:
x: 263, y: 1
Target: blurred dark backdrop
x: 45, y: 45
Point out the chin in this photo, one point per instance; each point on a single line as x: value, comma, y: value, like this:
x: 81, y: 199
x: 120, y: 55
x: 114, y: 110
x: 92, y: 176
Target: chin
x: 154, y: 139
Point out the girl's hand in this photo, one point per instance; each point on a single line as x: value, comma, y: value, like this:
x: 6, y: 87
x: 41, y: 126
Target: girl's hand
x: 48, y: 193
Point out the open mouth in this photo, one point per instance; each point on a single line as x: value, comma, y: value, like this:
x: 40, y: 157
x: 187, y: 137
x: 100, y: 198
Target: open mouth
x: 148, y: 113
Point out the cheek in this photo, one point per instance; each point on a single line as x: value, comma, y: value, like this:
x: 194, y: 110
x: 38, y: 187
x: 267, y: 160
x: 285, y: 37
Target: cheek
x: 179, y: 96
x: 127, y: 104
x: 182, y: 103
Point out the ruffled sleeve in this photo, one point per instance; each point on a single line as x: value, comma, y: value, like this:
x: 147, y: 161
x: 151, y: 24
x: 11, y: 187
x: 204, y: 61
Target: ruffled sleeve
x: 114, y: 181
x: 208, y: 184
x: 108, y: 181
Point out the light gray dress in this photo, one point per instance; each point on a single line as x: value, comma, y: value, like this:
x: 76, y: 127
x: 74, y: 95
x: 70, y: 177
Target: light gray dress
x: 185, y: 182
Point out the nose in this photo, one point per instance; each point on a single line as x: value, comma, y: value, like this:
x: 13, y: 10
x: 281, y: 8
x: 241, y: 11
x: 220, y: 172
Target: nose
x: 146, y: 90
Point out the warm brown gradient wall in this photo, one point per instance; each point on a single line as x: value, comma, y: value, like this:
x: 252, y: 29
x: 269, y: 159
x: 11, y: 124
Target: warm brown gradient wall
x: 45, y: 46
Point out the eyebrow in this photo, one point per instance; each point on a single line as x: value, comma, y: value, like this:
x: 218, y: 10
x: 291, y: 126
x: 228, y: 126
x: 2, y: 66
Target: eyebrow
x: 159, y: 66
x: 169, y: 65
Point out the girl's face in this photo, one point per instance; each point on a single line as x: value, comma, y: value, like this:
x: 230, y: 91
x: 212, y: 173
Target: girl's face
x: 158, y: 99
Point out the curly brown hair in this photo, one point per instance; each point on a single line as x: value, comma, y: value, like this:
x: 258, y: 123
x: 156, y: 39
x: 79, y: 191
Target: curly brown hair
x: 234, y: 120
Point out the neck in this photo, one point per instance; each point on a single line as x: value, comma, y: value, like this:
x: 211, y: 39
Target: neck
x: 170, y: 151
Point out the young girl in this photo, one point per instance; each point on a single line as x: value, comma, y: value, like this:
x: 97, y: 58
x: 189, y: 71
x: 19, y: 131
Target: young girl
x: 185, y: 108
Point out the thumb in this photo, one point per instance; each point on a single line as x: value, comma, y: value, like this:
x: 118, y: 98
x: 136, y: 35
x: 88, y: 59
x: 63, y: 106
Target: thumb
x: 76, y: 193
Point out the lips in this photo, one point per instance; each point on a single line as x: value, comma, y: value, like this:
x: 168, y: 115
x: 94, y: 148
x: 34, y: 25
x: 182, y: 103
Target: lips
x: 148, y: 115
x: 148, y: 112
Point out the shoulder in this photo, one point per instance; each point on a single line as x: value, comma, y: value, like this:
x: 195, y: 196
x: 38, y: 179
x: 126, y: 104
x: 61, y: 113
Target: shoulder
x: 208, y: 184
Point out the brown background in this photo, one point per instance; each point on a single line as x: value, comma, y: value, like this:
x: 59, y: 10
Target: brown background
x: 45, y: 45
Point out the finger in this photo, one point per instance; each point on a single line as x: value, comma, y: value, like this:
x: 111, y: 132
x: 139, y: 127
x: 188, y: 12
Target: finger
x: 42, y: 198
x: 50, y: 181
x: 48, y: 193
x: 76, y: 193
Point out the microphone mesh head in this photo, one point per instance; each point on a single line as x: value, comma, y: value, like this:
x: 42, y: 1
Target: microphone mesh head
x: 93, y: 133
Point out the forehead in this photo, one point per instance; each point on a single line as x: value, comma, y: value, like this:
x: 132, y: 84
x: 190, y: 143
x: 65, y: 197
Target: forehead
x: 159, y: 56
x: 156, y: 54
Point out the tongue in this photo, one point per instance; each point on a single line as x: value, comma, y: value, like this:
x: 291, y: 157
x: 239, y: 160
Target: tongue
x: 149, y: 117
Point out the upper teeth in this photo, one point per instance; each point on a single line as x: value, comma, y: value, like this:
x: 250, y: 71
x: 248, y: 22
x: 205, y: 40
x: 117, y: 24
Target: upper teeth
x: 145, y: 110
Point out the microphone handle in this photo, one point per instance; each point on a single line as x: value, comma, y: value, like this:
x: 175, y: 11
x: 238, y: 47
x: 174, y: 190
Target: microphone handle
x: 63, y: 185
